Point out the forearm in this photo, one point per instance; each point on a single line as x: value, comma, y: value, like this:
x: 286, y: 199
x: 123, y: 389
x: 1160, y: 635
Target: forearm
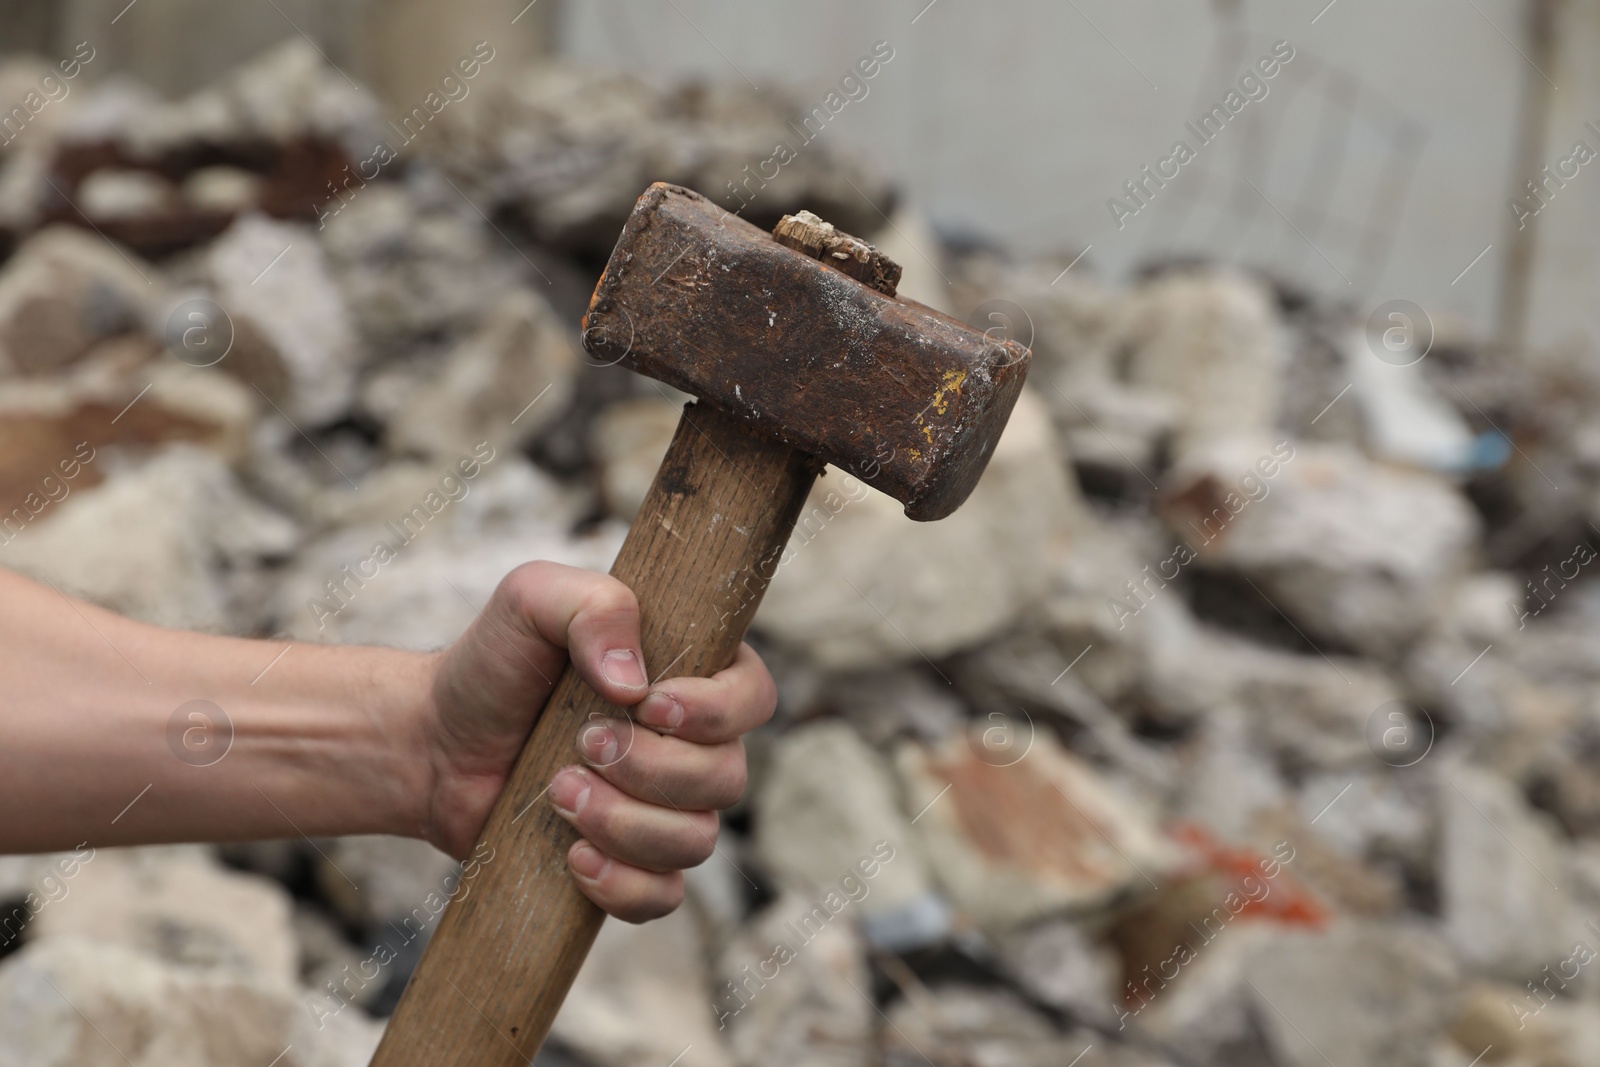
x: 323, y: 738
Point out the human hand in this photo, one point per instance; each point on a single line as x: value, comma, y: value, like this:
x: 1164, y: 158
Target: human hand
x: 645, y: 799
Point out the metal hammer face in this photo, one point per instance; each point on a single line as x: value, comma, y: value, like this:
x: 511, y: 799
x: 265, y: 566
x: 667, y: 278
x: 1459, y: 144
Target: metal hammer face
x: 907, y: 399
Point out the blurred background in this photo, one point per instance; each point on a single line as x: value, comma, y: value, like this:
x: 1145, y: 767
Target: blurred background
x: 1245, y: 715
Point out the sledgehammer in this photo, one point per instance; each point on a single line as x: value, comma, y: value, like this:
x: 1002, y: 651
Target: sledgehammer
x: 800, y: 354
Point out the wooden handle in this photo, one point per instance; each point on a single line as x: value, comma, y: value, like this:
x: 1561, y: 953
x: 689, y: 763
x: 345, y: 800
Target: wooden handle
x: 699, y: 555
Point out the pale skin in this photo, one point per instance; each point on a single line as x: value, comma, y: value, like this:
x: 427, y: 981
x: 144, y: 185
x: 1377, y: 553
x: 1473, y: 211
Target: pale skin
x: 335, y: 740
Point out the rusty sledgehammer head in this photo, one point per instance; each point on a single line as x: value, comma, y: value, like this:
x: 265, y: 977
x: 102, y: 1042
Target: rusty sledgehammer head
x: 815, y: 352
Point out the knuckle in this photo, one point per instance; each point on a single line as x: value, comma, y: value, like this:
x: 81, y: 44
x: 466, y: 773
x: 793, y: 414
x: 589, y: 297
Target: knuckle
x: 730, y: 779
x: 530, y: 576
x: 609, y: 599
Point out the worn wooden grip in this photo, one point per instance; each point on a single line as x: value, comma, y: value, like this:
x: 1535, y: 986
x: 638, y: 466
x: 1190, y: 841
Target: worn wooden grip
x: 699, y: 555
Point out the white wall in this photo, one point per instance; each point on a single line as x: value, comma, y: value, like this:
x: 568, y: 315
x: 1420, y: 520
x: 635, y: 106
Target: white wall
x: 1019, y: 120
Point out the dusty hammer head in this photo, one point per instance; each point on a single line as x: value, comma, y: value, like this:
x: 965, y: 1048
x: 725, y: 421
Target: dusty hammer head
x: 907, y: 399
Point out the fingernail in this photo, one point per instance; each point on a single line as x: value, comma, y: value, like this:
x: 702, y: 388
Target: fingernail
x: 588, y: 861
x: 570, y: 790
x: 660, y: 709
x: 598, y: 744
x: 622, y: 667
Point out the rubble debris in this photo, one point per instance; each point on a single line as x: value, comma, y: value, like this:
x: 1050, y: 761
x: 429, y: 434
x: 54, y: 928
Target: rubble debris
x: 63, y: 292
x: 860, y: 585
x: 791, y: 989
x: 273, y: 279
x: 1022, y: 756
x: 1506, y: 906
x: 829, y: 812
x: 644, y: 995
x: 570, y: 148
x: 1028, y: 832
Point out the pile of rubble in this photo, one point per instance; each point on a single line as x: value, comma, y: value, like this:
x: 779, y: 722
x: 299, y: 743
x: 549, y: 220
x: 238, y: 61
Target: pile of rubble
x: 1246, y: 714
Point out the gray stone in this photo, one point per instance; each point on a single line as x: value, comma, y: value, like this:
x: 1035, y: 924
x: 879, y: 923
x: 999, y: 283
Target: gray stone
x: 158, y: 541
x: 971, y: 1024
x: 438, y: 574
x: 829, y: 804
x: 1357, y: 995
x: 793, y: 990
x: 375, y: 879
x: 861, y: 585
x: 502, y: 385
x: 644, y: 997
x: 410, y: 268
x: 1061, y: 963
x: 64, y: 291
x: 288, y: 317
x: 177, y: 905
x: 572, y: 148
x: 1502, y: 876
x: 1352, y: 551
x: 1210, y: 340
x: 630, y: 439
x: 69, y: 1002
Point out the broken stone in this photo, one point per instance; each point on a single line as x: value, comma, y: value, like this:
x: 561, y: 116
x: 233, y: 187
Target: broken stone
x: 502, y: 385
x: 885, y: 706
x: 1503, y: 878
x: 793, y: 989
x: 572, y: 148
x: 828, y: 813
x: 1513, y: 1025
x: 417, y: 579
x: 273, y: 283
x: 413, y: 269
x: 167, y: 564
x: 177, y: 905
x: 57, y: 435
x: 223, y: 189
x: 64, y: 291
x: 285, y: 93
x: 69, y: 1002
x: 644, y: 996
x: 1209, y: 339
x: 1059, y: 962
x: 971, y: 1024
x: 1357, y: 994
x: 1354, y: 552
x: 861, y: 585
x: 1030, y: 833
x: 372, y: 880
x: 110, y: 195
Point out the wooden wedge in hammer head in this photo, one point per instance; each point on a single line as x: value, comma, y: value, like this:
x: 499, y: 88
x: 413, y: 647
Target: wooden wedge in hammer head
x: 800, y: 353
x: 802, y: 336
